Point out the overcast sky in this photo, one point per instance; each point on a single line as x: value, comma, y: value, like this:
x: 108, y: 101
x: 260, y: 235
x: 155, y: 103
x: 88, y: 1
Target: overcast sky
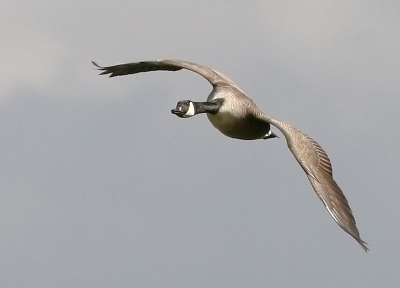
x: 103, y: 187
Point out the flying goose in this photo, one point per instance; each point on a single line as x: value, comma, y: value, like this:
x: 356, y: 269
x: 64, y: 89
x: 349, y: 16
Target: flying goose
x: 234, y: 114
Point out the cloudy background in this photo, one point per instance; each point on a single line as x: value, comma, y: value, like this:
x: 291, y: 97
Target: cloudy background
x: 102, y: 187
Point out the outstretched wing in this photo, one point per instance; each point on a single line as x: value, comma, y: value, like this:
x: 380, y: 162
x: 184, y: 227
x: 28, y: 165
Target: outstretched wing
x: 133, y: 68
x: 317, y: 166
x: 214, y: 77
x: 315, y: 162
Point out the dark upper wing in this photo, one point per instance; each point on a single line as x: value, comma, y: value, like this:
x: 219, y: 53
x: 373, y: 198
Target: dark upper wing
x: 214, y: 77
x: 133, y: 68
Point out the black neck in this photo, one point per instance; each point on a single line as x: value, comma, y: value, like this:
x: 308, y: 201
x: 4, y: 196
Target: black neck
x: 211, y: 107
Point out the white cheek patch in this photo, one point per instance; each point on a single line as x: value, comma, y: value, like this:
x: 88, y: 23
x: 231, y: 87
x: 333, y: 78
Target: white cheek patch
x: 191, y: 112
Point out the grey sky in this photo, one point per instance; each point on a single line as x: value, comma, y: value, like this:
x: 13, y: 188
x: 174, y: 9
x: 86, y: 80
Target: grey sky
x: 103, y: 187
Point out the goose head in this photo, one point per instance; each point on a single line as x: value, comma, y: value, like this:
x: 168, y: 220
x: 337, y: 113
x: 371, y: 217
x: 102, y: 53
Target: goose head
x: 185, y: 109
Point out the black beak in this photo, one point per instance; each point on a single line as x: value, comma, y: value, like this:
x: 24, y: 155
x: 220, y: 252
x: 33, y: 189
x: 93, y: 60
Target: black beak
x: 177, y: 112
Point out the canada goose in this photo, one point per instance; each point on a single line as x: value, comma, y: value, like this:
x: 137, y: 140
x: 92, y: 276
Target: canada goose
x: 233, y: 113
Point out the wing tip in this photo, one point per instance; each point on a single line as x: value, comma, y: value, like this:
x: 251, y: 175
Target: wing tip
x: 104, y: 69
x: 95, y: 64
x: 363, y: 244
